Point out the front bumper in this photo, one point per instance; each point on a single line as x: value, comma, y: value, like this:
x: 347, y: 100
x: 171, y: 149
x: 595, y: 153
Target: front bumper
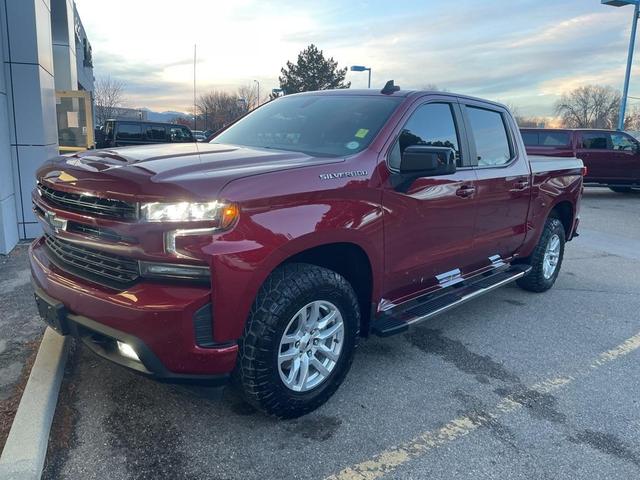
x: 156, y: 319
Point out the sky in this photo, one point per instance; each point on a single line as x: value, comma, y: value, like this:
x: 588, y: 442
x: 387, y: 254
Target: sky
x: 522, y: 52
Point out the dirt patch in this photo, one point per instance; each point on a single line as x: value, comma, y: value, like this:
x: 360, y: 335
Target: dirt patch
x: 9, y: 406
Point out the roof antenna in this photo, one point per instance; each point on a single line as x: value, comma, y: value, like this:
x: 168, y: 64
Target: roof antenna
x: 389, y: 88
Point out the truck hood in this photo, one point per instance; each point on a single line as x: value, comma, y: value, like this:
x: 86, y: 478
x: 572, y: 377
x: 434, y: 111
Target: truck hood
x: 167, y: 171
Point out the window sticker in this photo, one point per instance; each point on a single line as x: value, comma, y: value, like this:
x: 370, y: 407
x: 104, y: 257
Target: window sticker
x: 361, y: 133
x: 352, y: 145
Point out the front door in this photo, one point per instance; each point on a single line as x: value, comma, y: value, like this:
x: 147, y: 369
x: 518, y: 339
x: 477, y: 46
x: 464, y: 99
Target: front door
x: 605, y: 162
x: 429, y: 221
x: 625, y: 161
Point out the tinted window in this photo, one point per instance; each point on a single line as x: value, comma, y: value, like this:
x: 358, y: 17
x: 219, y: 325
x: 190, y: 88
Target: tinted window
x: 129, y: 131
x: 552, y: 139
x: 156, y: 132
x: 430, y: 124
x: 490, y: 134
x: 181, y: 134
x: 621, y: 141
x: 595, y: 140
x: 335, y: 125
x: 530, y: 138
x: 108, y: 130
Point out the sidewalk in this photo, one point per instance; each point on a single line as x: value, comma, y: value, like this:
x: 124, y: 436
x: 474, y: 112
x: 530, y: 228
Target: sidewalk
x: 20, y: 333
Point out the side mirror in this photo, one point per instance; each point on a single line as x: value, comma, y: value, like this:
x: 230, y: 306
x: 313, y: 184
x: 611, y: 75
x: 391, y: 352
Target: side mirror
x: 427, y: 161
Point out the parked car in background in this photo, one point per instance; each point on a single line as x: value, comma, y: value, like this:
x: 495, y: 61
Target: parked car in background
x: 124, y: 133
x: 316, y: 219
x: 612, y: 157
x: 199, y: 135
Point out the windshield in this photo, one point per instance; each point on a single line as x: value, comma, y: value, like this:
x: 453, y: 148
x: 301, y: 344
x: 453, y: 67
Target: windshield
x: 314, y: 124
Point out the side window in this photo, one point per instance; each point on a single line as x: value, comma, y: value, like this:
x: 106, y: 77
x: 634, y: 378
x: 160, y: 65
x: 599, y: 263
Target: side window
x: 156, y: 132
x: 108, y: 130
x: 129, y: 131
x: 596, y: 141
x: 181, y: 134
x: 554, y: 139
x: 431, y: 124
x: 530, y: 139
x: 623, y: 142
x: 188, y: 136
x: 490, y: 134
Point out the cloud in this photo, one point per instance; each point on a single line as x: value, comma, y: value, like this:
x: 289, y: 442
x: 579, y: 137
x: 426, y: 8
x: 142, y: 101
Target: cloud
x: 527, y: 52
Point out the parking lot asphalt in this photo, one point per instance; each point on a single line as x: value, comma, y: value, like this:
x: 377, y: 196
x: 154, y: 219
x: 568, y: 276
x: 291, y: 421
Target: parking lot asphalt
x: 513, y: 385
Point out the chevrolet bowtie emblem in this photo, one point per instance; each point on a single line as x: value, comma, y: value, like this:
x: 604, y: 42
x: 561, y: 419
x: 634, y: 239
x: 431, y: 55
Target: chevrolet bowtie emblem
x: 54, y: 222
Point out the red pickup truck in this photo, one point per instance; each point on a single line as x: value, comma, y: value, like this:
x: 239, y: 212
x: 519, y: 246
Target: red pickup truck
x: 317, y: 219
x: 612, y: 157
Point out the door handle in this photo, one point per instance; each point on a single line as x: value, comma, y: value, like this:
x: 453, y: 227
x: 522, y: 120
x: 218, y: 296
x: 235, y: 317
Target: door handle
x: 521, y: 184
x: 466, y: 191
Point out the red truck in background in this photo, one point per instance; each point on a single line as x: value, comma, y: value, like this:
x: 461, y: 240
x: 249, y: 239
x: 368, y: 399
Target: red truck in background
x: 612, y: 157
x: 316, y: 219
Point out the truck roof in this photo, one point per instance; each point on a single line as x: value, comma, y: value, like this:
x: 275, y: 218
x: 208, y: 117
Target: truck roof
x: 374, y: 92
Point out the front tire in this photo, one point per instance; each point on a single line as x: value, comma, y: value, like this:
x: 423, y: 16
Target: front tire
x: 546, y: 259
x: 299, y: 340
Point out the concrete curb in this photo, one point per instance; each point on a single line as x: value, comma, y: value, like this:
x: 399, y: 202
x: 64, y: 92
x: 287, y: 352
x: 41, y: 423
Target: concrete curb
x: 26, y: 448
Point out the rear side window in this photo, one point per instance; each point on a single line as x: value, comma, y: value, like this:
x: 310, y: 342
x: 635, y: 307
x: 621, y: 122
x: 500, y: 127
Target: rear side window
x: 530, y: 139
x: 490, y: 135
x: 156, y: 132
x: 129, y: 131
x: 553, y: 139
x: 596, y: 141
x: 432, y: 125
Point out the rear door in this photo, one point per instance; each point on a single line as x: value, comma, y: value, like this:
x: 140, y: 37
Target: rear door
x: 596, y: 151
x: 503, y: 190
x: 429, y: 221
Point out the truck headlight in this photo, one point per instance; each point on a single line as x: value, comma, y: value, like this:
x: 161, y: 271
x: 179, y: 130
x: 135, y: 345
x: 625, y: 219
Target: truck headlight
x: 220, y: 212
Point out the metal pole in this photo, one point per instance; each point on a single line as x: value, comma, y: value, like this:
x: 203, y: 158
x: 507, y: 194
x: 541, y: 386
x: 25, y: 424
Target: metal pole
x: 195, y: 111
x: 258, y: 102
x: 369, y: 84
x: 632, y: 42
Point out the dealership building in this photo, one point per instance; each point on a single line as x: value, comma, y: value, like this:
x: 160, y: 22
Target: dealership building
x: 45, y: 101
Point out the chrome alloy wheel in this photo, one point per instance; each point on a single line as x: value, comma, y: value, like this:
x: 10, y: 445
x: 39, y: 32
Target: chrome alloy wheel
x: 551, y: 256
x: 310, y: 346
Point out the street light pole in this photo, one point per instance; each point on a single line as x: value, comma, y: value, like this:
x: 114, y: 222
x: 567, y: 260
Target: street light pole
x: 632, y: 43
x: 360, y: 68
x: 258, y: 102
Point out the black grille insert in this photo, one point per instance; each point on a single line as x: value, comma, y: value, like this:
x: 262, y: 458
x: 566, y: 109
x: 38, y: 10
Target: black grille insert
x: 101, y: 267
x: 87, y: 204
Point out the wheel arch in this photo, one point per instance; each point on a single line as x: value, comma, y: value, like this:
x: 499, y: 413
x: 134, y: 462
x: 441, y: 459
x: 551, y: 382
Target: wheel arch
x: 350, y: 261
x: 563, y: 211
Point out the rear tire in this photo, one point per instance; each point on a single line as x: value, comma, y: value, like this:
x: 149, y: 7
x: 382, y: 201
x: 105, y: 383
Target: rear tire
x: 279, y: 345
x: 621, y: 189
x: 546, y: 259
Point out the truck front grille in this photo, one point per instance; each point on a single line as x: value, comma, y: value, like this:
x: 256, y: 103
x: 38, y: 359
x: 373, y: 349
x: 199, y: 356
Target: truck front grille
x: 100, y: 267
x: 88, y: 204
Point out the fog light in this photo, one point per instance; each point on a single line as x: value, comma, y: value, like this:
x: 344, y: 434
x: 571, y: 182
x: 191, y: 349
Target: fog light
x: 127, y: 351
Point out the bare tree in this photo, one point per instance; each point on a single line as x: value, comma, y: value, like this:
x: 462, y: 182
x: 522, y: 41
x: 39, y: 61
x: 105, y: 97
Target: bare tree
x: 590, y: 106
x: 250, y: 95
x: 218, y: 109
x: 108, y: 96
x: 524, y: 121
